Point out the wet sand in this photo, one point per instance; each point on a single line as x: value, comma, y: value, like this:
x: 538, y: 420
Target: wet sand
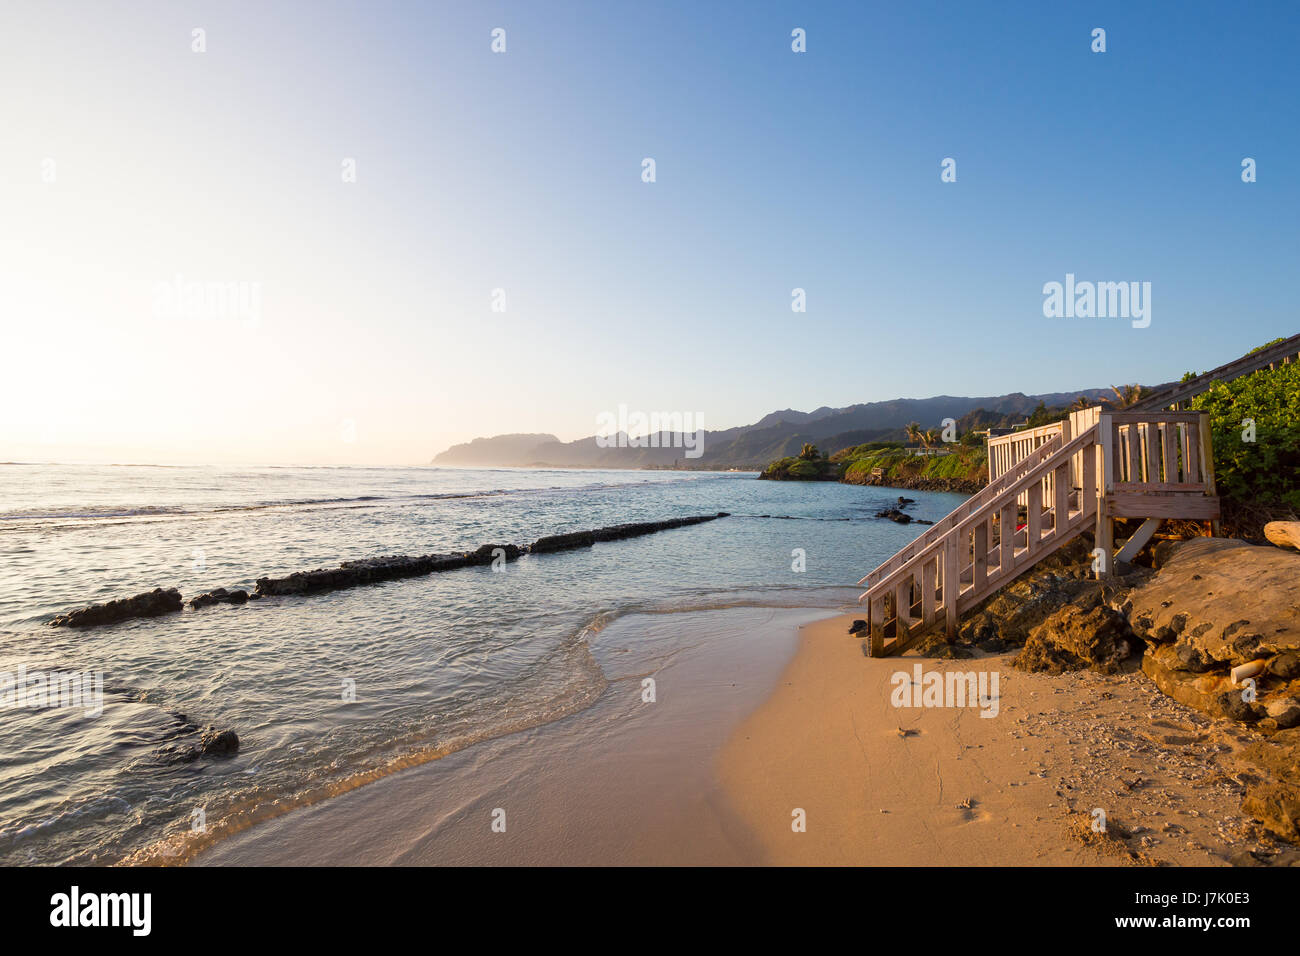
x: 753, y: 720
x: 622, y: 782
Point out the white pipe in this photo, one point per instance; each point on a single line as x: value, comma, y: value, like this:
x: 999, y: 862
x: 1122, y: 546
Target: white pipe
x: 1244, y: 671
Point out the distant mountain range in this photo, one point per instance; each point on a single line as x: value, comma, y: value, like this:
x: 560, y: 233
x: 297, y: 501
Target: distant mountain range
x: 774, y: 436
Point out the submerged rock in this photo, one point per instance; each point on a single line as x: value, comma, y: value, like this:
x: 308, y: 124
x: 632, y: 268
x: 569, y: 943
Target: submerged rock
x: 211, y: 743
x: 220, y: 596
x: 152, y: 604
x: 219, y: 742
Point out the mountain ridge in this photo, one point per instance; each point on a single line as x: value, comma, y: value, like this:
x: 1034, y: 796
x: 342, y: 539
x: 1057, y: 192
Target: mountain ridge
x: 773, y: 436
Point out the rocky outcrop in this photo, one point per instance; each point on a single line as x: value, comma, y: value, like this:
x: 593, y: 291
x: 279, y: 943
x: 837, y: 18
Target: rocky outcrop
x: 152, y: 604
x: 1284, y: 534
x: 1214, y: 604
x: 1006, y: 620
x: 220, y: 596
x: 1073, y: 639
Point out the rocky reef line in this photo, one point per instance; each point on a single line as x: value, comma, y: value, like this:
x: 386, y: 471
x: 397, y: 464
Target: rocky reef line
x: 362, y: 572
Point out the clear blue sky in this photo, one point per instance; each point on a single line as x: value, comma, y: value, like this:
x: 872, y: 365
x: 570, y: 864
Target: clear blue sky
x: 522, y: 171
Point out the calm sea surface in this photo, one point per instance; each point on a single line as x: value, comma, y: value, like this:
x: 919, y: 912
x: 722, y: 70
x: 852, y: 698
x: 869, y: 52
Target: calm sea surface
x: 437, y: 662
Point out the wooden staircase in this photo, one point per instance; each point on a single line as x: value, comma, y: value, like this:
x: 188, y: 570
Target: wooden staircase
x: 1047, y: 486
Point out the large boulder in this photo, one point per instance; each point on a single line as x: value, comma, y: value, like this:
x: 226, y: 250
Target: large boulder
x: 1214, y: 604
x: 1284, y: 534
x: 1220, y: 603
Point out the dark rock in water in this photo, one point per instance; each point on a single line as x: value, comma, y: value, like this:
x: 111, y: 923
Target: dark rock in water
x: 386, y: 568
x: 922, y: 521
x: 391, y: 567
x: 218, y: 742
x: 154, y: 603
x: 893, y: 514
x: 906, y: 501
x: 585, y: 539
x: 488, y: 553
x: 563, y: 542
x: 211, y: 743
x: 220, y: 596
x: 858, y: 625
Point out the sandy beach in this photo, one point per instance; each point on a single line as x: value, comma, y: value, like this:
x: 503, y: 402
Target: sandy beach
x: 907, y: 786
x: 755, y: 720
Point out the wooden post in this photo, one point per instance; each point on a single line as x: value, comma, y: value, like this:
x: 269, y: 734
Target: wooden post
x: 951, y: 585
x: 876, y: 613
x: 929, y: 572
x: 1105, y: 537
x: 1007, y: 535
x: 1207, y: 462
x: 1061, y: 505
x: 902, y: 610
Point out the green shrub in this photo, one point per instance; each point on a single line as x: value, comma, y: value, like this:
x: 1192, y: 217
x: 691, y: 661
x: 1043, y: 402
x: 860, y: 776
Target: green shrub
x: 1267, y: 470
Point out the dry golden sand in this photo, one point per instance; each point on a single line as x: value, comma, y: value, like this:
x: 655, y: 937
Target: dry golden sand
x: 891, y: 786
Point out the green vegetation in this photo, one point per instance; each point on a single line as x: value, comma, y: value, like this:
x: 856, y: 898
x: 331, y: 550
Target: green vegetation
x: 806, y: 467
x: 897, y: 465
x: 1263, y: 473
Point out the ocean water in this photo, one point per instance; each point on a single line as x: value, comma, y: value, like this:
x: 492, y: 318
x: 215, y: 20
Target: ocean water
x: 436, y: 663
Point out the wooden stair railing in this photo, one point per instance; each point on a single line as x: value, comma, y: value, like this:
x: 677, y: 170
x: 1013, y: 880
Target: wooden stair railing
x: 982, y: 546
x: 961, y: 512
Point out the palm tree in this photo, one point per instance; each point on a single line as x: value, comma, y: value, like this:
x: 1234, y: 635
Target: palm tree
x: 1082, y: 402
x: 913, y: 430
x: 929, y: 438
x: 808, y: 452
x: 1127, y: 396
